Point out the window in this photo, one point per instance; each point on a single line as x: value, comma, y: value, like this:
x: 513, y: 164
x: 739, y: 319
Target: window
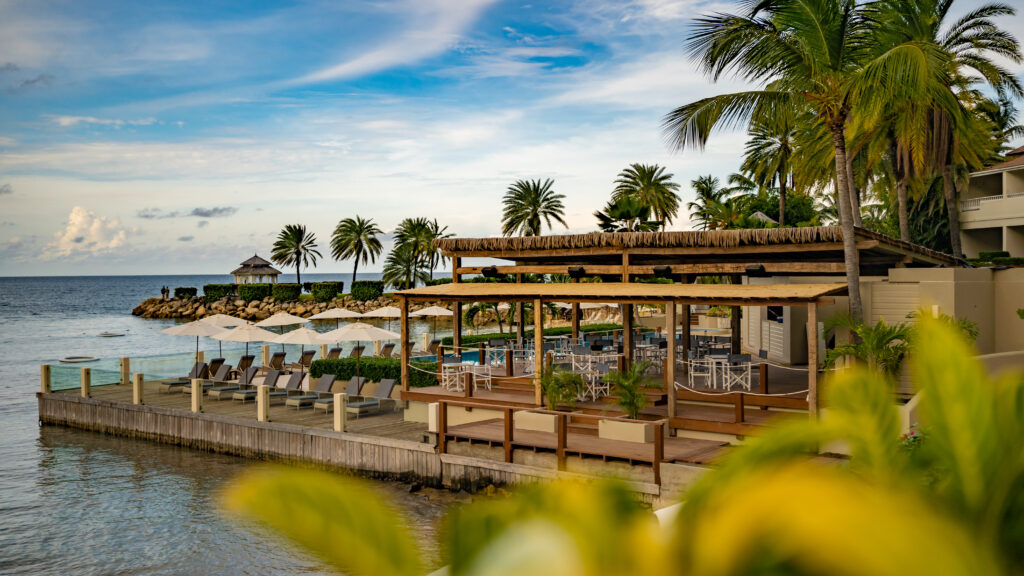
x: 776, y: 313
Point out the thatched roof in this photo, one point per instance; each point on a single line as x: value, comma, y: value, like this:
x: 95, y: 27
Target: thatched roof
x: 256, y: 261
x: 618, y: 292
x: 688, y: 239
x: 255, y: 266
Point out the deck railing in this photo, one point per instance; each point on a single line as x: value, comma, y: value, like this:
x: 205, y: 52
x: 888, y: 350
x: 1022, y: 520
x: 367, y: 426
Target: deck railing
x: 975, y: 203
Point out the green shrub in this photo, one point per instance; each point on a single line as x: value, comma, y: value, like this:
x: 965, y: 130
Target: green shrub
x: 468, y: 339
x: 438, y: 281
x: 364, y: 290
x: 250, y: 292
x: 421, y: 374
x: 654, y: 281
x: 1008, y: 261
x: 286, y: 292
x: 214, y: 292
x: 185, y: 292
x: 990, y: 255
x: 326, y: 291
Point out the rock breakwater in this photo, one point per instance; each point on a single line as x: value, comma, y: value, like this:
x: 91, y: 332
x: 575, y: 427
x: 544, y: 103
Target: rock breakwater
x: 196, y: 308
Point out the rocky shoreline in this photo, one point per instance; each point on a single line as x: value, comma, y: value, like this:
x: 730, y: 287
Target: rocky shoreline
x: 196, y: 308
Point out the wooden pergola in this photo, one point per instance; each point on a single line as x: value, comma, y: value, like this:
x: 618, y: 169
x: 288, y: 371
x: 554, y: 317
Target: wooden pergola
x: 628, y: 294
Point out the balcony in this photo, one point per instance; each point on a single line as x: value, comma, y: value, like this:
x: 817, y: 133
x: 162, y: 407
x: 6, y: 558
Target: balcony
x: 992, y: 211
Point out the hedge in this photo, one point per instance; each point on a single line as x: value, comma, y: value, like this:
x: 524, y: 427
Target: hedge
x: 286, y: 292
x: 364, y: 290
x: 250, y: 292
x: 326, y: 291
x: 421, y: 374
x: 1000, y: 261
x: 185, y: 292
x: 438, y: 281
x: 214, y: 292
x: 468, y: 339
x: 989, y: 255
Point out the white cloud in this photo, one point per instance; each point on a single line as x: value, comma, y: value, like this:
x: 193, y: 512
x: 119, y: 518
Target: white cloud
x: 87, y: 234
x: 71, y: 121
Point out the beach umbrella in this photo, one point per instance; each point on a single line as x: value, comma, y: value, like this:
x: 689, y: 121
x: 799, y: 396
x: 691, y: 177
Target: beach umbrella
x: 196, y: 328
x: 246, y: 333
x: 388, y: 312
x: 358, y: 332
x: 302, y: 337
x: 281, y: 319
x: 336, y: 314
x: 434, y: 311
x: 224, y: 321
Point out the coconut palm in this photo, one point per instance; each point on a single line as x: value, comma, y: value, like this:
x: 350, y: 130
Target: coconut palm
x: 881, y: 347
x: 707, y: 191
x: 528, y: 205
x: 403, y: 268
x: 417, y: 237
x: 768, y: 156
x: 824, y: 55
x: 434, y: 256
x: 356, y: 238
x: 295, y: 247
x: 626, y: 214
x: 652, y: 187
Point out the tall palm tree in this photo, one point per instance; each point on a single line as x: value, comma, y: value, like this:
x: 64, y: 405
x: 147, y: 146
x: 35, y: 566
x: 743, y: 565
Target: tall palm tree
x: 356, y: 238
x: 707, y: 191
x: 295, y: 247
x: 403, y: 269
x: 528, y: 205
x: 417, y: 236
x: 626, y: 214
x: 823, y: 55
x: 434, y: 256
x: 649, y: 184
x: 768, y: 156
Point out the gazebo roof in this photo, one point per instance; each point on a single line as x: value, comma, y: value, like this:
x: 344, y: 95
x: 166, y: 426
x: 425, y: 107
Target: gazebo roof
x: 255, y: 266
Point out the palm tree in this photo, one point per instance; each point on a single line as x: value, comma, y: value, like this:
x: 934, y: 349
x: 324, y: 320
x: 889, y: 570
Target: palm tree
x: 434, y: 256
x: 529, y: 202
x: 768, y: 156
x: 652, y: 187
x: 403, y: 268
x: 824, y: 55
x: 881, y: 347
x: 295, y: 247
x: 477, y: 309
x: 707, y: 191
x: 417, y: 236
x: 626, y: 214
x: 356, y: 238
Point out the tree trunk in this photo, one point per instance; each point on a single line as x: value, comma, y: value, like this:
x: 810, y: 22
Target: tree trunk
x: 850, y: 255
x: 902, y: 201
x: 782, y: 199
x: 852, y: 189
x: 298, y: 278
x: 952, y: 210
x: 355, y: 267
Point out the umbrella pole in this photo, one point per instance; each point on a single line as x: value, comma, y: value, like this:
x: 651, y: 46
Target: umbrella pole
x: 197, y: 348
x: 357, y: 359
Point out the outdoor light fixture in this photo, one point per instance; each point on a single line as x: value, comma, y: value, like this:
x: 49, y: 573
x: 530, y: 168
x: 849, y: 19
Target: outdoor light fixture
x: 662, y: 272
x: 757, y: 271
x: 576, y: 272
x: 490, y: 272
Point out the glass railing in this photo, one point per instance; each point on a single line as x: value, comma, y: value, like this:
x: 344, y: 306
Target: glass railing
x: 64, y: 377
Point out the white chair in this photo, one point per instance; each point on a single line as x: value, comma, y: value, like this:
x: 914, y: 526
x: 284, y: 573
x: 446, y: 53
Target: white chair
x: 701, y: 372
x: 481, y: 377
x: 451, y: 377
x: 736, y: 374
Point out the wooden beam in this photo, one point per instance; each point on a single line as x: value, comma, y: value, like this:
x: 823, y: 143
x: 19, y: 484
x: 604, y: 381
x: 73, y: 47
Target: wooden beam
x: 627, y: 334
x: 456, y: 264
x: 575, y: 316
x: 403, y: 304
x: 670, y: 357
x: 712, y: 268
x: 538, y: 350
x: 520, y: 317
x: 681, y: 250
x: 812, y: 359
x: 625, y: 266
x: 734, y: 321
x: 457, y: 329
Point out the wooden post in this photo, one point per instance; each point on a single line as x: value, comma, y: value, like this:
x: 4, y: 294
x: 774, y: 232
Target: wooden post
x: 575, y: 320
x: 627, y: 334
x: 659, y: 451
x: 812, y: 358
x: 323, y: 351
x: 734, y: 321
x: 467, y: 384
x: 126, y: 376
x: 510, y: 358
x: 442, y: 427
x: 561, y: 430
x: 762, y: 377
x: 670, y: 357
x: 538, y: 349
x: 263, y: 403
x: 481, y: 354
x: 457, y: 331
x: 45, y: 382
x: 440, y: 363
x: 197, y: 395
x: 201, y: 356
x: 340, y: 412
x: 509, y: 433
x: 377, y: 345
x: 265, y: 355
x: 86, y: 382
x: 520, y: 316
x: 456, y: 264
x: 625, y: 266
x: 137, y: 389
x: 403, y: 303
x: 685, y: 337
x: 738, y: 415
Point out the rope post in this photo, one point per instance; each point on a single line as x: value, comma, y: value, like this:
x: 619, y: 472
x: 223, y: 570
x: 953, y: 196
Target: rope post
x: 440, y: 363
x: 738, y: 416
x: 659, y: 451
x: 442, y: 427
x: 86, y: 382
x: 377, y: 345
x: 201, y: 356
x: 265, y: 355
x: 510, y: 368
x: 509, y: 433
x: 467, y: 384
x: 562, y: 432
x: 45, y: 382
x: 481, y: 354
x: 340, y: 412
x: 197, y: 395
x: 263, y: 403
x: 323, y: 351
x: 137, y: 396
x: 762, y: 377
x: 670, y: 357
x: 125, y: 371
x: 812, y: 359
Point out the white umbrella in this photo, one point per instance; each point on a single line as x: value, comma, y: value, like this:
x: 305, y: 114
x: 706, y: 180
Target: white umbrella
x: 281, y: 319
x: 246, y: 333
x: 335, y: 314
x: 196, y: 328
x: 388, y: 312
x: 358, y: 332
x: 224, y: 321
x: 434, y: 311
x: 302, y: 337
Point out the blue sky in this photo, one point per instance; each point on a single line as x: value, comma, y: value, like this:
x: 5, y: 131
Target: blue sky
x: 150, y: 137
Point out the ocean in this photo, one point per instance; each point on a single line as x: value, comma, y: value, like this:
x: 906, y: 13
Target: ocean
x: 74, y: 502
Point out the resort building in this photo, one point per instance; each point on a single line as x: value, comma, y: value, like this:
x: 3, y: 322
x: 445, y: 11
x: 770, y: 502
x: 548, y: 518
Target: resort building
x: 992, y: 208
x: 255, y: 270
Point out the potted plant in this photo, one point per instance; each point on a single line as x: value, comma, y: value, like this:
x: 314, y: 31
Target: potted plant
x: 560, y: 387
x: 628, y: 388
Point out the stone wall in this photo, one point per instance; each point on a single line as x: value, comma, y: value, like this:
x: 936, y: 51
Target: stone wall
x: 195, y: 308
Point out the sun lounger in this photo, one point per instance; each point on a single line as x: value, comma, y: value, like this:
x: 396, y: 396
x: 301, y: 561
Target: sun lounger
x: 220, y: 377
x: 213, y: 367
x: 304, y: 361
x: 373, y: 403
x: 276, y: 363
x: 294, y: 384
x: 246, y: 395
x: 386, y: 351
x: 334, y: 353
x: 227, y: 389
x: 352, y: 390
x: 432, y: 347
x: 198, y: 371
x: 356, y: 352
x: 243, y: 364
x: 323, y: 388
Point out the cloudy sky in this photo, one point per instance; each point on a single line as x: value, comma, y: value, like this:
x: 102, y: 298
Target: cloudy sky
x: 179, y: 137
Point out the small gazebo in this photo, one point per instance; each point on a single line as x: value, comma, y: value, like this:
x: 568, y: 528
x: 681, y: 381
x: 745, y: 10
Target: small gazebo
x: 255, y: 270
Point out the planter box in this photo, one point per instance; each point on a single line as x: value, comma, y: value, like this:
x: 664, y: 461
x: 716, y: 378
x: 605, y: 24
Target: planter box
x: 639, y: 432
x: 534, y: 421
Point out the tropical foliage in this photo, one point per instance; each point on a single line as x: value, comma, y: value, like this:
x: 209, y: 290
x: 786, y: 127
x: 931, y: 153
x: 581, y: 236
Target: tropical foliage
x: 529, y: 205
x: 403, y: 268
x: 295, y: 247
x: 628, y: 388
x: 626, y: 214
x: 356, y: 238
x: 652, y: 187
x: 881, y: 347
